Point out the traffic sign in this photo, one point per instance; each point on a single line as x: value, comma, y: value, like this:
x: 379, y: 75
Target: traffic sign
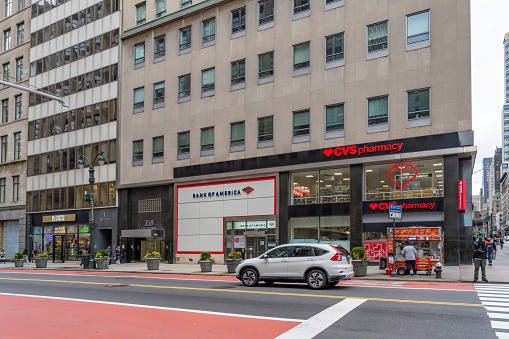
x: 395, y: 212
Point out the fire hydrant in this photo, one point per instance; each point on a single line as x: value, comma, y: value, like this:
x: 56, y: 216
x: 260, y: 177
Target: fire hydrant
x: 438, y: 270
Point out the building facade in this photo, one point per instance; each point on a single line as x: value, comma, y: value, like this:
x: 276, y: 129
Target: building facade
x: 248, y: 124
x: 73, y: 53
x: 505, y: 109
x: 14, y: 22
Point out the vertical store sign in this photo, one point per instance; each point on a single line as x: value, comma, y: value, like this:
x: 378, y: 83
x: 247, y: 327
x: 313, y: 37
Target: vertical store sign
x: 462, y: 197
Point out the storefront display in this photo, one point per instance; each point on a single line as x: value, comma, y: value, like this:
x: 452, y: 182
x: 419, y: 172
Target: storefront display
x: 320, y: 187
x: 61, y: 243
x: 333, y: 230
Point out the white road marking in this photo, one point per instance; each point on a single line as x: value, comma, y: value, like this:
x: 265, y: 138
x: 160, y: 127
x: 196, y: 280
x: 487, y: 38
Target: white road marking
x: 493, y: 303
x: 318, y: 323
x: 500, y: 325
x: 493, y: 294
x: 499, y: 315
x: 502, y: 335
x: 496, y: 309
x: 155, y: 307
x: 495, y: 289
x: 491, y: 299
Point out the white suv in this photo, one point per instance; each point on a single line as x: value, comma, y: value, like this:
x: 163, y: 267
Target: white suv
x: 318, y: 265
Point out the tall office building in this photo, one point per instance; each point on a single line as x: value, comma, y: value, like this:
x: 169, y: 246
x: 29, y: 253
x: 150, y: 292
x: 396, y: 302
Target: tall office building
x: 249, y: 124
x: 73, y: 53
x: 505, y: 110
x: 486, y: 182
x: 15, y: 21
x: 497, y: 166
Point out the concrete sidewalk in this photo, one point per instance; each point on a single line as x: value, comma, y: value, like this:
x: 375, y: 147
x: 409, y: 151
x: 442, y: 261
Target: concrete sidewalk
x: 497, y: 273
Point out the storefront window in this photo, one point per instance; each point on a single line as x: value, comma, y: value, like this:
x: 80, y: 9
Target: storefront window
x: 304, y: 230
x: 404, y: 180
x: 333, y: 230
x: 325, y: 186
x: 250, y: 237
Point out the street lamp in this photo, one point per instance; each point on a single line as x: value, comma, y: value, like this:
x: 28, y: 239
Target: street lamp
x: 90, y: 197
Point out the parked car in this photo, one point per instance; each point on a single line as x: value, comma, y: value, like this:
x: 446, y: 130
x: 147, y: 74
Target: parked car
x: 318, y: 265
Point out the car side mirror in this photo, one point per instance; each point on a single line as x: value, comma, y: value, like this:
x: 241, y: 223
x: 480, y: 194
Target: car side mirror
x: 264, y: 256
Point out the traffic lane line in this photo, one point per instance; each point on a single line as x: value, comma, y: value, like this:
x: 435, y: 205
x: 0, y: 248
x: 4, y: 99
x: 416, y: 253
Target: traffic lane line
x: 126, y: 321
x: 253, y: 292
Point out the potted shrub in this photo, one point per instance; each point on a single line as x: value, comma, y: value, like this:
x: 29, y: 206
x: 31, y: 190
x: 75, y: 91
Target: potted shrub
x: 232, y: 261
x: 153, y: 259
x: 41, y: 260
x: 18, y: 259
x: 102, y: 260
x: 359, y: 262
x: 206, y: 262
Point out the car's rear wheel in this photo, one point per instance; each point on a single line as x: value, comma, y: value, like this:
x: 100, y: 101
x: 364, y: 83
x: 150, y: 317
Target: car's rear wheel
x: 249, y: 277
x: 332, y: 283
x: 316, y: 279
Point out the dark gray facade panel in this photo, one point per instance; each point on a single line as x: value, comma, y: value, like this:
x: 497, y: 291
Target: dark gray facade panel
x: 451, y: 215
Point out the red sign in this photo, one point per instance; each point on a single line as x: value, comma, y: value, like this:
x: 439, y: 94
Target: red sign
x: 375, y: 249
x: 462, y: 197
x: 400, y: 171
x: 383, y: 206
x: 358, y: 150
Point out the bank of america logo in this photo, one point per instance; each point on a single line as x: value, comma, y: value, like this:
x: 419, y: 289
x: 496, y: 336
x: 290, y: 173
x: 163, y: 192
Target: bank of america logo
x: 248, y: 189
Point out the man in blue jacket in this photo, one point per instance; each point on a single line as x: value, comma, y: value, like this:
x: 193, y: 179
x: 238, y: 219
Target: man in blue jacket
x: 479, y: 257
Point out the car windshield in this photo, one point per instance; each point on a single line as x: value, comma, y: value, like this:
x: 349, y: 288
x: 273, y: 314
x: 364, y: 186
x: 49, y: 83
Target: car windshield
x: 343, y: 250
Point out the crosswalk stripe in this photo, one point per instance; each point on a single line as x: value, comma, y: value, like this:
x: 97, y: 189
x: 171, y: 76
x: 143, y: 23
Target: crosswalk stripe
x: 501, y: 296
x: 494, y: 303
x: 500, y: 324
x: 496, y: 309
x: 495, y: 299
x: 501, y: 290
x: 502, y: 335
x: 491, y: 299
x: 499, y: 315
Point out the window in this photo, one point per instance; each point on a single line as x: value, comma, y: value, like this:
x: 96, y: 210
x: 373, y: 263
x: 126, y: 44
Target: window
x: 266, y: 67
x: 17, y: 146
x: 21, y: 4
x: 5, y: 111
x: 208, y: 32
x: 15, y: 188
x: 137, y: 152
x: 159, y: 48
x: 141, y: 13
x: 238, y: 75
x: 378, y: 40
x: 139, y: 99
x: 157, y: 149
x: 301, y: 8
x: 238, y: 21
x: 319, y: 187
x: 207, y: 141
x: 281, y: 252
x: 265, y: 132
x: 266, y: 13
x: 7, y: 39
x: 331, y: 4
x: 183, y: 147
x: 207, y: 82
x: 160, y: 8
x: 139, y: 55
x: 20, y: 35
x: 159, y: 94
x: 185, y: 3
x: 185, y: 40
x: 334, y: 120
x: 18, y: 113
x: 237, y: 136
x: 6, y: 68
x: 185, y: 88
x: 378, y: 111
x: 301, y: 58
x: 417, y: 30
x: 418, y: 103
x: 4, y: 149
x: 334, y: 230
x: 19, y: 69
x: 2, y: 190
x: 334, y: 50
x: 8, y: 8
x: 301, y: 126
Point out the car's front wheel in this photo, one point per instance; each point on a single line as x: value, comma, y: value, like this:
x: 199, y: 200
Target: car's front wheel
x: 317, y: 279
x: 249, y: 277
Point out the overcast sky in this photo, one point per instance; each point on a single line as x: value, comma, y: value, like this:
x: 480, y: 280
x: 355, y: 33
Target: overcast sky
x: 489, y: 24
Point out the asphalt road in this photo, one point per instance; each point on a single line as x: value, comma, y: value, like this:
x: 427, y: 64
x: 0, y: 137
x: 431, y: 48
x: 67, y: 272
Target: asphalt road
x: 219, y: 307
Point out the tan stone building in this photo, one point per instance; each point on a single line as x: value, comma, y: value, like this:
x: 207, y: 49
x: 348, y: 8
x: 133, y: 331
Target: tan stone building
x: 15, y: 27
x: 332, y: 107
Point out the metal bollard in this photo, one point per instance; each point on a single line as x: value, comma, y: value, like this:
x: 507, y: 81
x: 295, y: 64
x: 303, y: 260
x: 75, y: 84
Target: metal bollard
x: 438, y: 270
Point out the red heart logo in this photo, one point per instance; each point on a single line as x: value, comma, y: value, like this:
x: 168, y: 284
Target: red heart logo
x: 400, y: 171
x: 328, y: 152
x: 373, y: 206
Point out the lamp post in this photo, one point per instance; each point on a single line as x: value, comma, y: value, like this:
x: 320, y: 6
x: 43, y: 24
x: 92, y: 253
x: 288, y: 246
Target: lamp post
x: 90, y: 197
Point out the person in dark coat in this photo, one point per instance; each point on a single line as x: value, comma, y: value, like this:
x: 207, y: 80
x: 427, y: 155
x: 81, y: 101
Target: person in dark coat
x: 109, y: 252
x: 118, y: 255
x: 479, y: 256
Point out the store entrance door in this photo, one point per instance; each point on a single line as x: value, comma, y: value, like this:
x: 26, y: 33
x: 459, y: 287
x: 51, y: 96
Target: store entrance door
x: 256, y: 244
x: 59, y: 241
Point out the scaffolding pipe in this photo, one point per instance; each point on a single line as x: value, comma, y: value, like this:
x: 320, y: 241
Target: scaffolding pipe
x: 34, y: 91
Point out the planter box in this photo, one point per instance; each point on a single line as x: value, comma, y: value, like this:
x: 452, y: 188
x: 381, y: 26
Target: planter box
x: 102, y: 264
x: 152, y: 263
x: 41, y: 262
x: 231, y: 265
x: 18, y: 262
x: 206, y: 266
x: 359, y: 267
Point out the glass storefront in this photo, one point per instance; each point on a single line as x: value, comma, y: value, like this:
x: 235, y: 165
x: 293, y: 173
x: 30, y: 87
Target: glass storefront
x: 326, y: 230
x: 250, y: 237
x: 404, y: 180
x: 61, y: 243
x: 319, y: 187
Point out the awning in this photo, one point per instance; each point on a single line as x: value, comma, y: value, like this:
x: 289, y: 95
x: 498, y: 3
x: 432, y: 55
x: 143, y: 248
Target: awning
x: 142, y: 233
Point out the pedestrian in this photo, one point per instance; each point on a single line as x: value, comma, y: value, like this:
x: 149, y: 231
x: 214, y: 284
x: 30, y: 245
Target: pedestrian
x: 25, y: 253
x: 501, y: 242
x: 118, y: 255
x: 479, y: 257
x: 2, y: 256
x: 109, y: 252
x: 491, y: 248
x: 410, y: 252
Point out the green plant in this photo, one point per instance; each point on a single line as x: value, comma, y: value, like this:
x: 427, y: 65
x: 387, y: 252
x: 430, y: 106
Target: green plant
x: 205, y: 256
x: 153, y: 255
x: 234, y: 255
x: 358, y: 253
x: 41, y: 255
x: 102, y: 254
x: 19, y: 256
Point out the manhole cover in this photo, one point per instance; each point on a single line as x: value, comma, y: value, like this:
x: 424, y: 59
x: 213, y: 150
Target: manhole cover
x: 223, y: 287
x: 117, y: 285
